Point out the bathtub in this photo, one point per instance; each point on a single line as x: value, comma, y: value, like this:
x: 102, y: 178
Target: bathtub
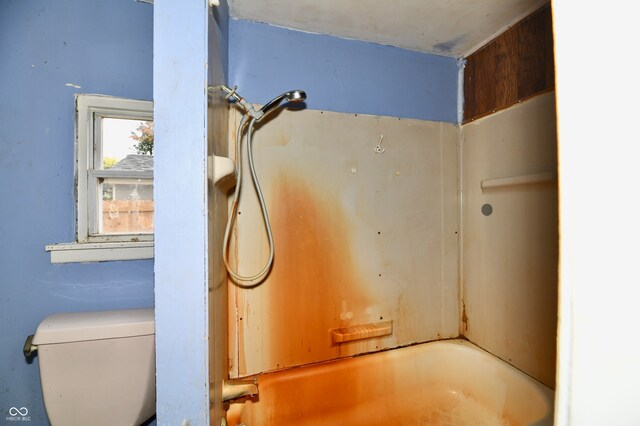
x: 450, y: 382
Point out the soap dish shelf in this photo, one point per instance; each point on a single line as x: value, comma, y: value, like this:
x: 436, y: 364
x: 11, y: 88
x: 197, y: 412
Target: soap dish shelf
x: 221, y: 169
x: 362, y: 331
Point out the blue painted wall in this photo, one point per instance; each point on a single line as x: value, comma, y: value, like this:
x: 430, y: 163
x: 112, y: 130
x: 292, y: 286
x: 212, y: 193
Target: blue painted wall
x: 218, y: 29
x: 341, y: 75
x: 105, y: 47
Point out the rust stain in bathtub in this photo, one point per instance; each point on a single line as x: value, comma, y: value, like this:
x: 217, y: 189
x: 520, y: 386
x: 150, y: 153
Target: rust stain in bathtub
x: 313, y: 270
x: 351, y: 396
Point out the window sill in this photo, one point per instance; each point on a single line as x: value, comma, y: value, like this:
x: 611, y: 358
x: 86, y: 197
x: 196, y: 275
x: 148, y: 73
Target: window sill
x: 99, y: 252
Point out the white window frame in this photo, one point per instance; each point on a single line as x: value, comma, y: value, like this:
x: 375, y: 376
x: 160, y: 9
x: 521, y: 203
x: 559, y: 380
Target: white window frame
x: 91, y: 245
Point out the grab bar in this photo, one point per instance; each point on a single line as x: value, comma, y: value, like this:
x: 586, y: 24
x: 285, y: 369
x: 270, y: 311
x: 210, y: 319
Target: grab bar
x: 545, y: 177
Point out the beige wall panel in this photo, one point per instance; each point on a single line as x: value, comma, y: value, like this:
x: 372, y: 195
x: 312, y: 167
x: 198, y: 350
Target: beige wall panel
x: 361, y: 237
x: 510, y: 258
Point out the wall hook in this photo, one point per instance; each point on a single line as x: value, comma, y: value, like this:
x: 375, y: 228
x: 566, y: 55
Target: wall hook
x: 378, y: 149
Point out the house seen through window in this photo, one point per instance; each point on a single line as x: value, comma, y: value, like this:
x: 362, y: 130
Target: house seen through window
x: 126, y: 202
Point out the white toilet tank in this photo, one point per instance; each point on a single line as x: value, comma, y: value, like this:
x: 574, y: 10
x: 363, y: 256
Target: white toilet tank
x: 98, y: 368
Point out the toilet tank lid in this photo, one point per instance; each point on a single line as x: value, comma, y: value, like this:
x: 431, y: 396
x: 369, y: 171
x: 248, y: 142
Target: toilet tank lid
x: 84, y: 326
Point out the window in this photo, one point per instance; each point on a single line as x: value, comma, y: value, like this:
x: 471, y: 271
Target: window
x: 114, y: 176
x: 115, y: 169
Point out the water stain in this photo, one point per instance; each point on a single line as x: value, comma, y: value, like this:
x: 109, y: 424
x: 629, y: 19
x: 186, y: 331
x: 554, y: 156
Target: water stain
x: 313, y: 273
x: 465, y: 319
x: 449, y: 45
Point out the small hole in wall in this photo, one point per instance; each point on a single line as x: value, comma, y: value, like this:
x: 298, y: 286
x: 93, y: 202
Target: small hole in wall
x: 378, y: 232
x: 240, y: 318
x: 379, y: 275
x: 381, y: 317
x: 239, y: 212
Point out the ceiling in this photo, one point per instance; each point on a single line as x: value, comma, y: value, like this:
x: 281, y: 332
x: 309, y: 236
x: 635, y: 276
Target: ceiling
x: 447, y: 27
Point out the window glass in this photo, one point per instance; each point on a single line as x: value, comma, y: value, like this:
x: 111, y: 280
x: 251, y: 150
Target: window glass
x: 125, y: 200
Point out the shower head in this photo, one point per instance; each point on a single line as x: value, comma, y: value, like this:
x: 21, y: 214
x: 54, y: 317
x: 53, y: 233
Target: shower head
x: 291, y: 96
x: 250, y: 109
x: 296, y: 96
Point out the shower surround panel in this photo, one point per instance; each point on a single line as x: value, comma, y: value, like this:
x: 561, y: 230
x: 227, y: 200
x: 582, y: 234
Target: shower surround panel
x: 364, y: 216
x: 510, y: 256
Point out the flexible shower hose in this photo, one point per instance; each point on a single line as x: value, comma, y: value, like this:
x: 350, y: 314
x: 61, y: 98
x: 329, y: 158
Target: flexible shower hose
x: 253, y: 280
